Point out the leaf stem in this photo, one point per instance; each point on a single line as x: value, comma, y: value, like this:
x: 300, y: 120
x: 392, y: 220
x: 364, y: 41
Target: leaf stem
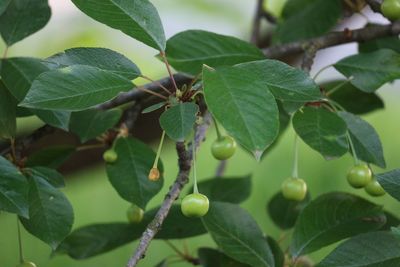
x: 321, y: 70
x: 295, y: 172
x: 219, y: 136
x: 152, y: 93
x: 5, y: 52
x: 155, y: 164
x: 158, y: 83
x: 21, y: 255
x: 162, y: 54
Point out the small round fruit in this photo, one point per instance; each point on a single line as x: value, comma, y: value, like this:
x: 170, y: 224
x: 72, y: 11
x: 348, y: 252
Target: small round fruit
x: 134, y: 214
x: 110, y: 156
x: 154, y: 174
x: 195, y: 205
x: 373, y: 188
x: 26, y: 264
x: 359, y: 176
x: 223, y: 148
x: 391, y: 9
x: 294, y: 189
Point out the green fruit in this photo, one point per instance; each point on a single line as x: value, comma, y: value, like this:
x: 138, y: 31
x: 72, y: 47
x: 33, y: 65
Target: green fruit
x: 195, y: 205
x: 359, y: 176
x: 134, y: 214
x: 223, y: 148
x: 391, y: 9
x: 26, y: 264
x: 374, y: 189
x: 110, y: 156
x: 294, y: 189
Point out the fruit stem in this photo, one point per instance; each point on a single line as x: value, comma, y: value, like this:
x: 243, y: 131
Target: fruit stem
x: 195, y: 189
x: 162, y: 54
x: 219, y: 136
x: 356, y: 160
x: 21, y: 255
x: 336, y: 105
x: 295, y: 172
x: 155, y: 164
x: 337, y: 87
x: 174, y: 248
x: 321, y: 70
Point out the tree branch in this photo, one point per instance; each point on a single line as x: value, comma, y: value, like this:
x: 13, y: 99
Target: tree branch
x: 334, y: 38
x: 121, y: 99
x: 257, y: 22
x: 185, y: 163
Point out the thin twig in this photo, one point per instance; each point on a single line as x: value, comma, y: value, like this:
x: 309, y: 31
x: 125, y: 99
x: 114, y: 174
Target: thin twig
x: 164, y: 57
x: 185, y: 162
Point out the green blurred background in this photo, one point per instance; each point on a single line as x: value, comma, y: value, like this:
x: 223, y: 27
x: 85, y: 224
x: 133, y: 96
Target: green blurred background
x: 89, y: 191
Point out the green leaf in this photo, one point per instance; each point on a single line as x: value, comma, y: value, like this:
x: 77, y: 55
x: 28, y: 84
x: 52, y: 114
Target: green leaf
x: 390, y: 181
x: 102, y: 58
x: 92, y: 240
x: 243, y: 105
x: 213, y: 258
x: 51, y: 157
x: 352, y: 99
x: 91, y: 123
x: 16, y: 22
x: 153, y: 107
x: 371, y: 70
x: 18, y: 75
x: 137, y: 18
x: 284, y: 212
x: 178, y: 121
x: 50, y: 213
x: 331, y: 218
x: 52, y: 176
x: 300, y: 21
x: 279, y: 256
x: 237, y: 234
x: 178, y: 226
x: 392, y: 42
x: 322, y: 130
x: 378, y: 249
x: 285, y: 82
x: 187, y: 51
x: 367, y: 144
x: 129, y: 174
x: 13, y: 189
x: 74, y: 88
x: 229, y: 189
x: 4, y: 5
x: 8, y: 118
x: 163, y: 263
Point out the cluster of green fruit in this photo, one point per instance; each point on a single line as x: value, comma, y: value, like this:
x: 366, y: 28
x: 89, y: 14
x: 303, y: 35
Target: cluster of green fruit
x: 391, y: 9
x: 360, y: 176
